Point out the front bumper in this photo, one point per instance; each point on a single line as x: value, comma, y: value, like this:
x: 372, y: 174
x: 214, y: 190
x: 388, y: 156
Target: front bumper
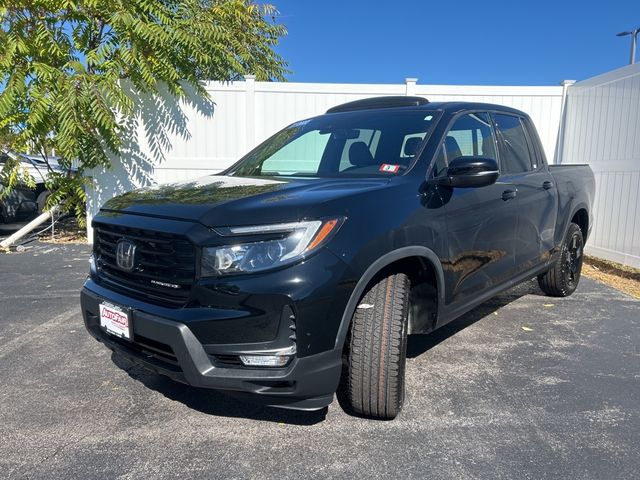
x: 169, y: 347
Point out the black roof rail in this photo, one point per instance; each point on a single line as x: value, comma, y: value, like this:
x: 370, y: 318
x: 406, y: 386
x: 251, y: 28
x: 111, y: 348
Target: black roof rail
x: 379, y: 102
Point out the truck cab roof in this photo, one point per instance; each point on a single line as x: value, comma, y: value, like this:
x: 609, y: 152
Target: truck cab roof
x: 413, y: 102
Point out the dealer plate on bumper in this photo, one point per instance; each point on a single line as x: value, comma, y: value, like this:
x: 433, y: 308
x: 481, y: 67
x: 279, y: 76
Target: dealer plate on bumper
x: 116, y: 320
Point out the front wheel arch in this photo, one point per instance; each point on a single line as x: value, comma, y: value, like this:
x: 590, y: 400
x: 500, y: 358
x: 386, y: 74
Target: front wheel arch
x: 379, y: 266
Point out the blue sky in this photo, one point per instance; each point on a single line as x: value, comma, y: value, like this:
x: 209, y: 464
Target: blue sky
x: 481, y: 42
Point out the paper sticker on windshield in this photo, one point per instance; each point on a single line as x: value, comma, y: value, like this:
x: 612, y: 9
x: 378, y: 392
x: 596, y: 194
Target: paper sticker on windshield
x: 388, y: 168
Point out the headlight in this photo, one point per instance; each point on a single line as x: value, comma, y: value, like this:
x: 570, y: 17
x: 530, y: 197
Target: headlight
x: 296, y: 240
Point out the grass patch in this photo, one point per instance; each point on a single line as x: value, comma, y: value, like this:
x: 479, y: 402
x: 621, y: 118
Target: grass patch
x: 622, y: 277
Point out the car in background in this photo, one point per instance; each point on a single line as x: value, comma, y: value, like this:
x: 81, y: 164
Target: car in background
x: 24, y: 202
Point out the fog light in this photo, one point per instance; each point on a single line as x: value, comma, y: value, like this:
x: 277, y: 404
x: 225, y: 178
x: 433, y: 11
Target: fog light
x: 265, y: 360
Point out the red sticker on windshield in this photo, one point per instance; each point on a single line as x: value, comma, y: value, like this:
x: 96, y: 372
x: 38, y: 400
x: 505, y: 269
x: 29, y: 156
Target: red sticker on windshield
x: 387, y: 168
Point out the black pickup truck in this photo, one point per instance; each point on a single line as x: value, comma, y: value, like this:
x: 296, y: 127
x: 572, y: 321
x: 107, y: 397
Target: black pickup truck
x: 328, y: 244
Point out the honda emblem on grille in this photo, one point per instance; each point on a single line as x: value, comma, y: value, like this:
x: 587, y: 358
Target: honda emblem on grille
x: 126, y: 254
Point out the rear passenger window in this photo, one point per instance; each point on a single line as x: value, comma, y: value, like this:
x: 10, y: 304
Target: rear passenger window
x: 514, y: 151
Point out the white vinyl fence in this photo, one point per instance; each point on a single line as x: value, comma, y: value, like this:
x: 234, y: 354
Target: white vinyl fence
x: 602, y: 128
x: 204, y: 139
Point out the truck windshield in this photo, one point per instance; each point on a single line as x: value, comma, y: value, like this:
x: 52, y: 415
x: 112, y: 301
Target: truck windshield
x: 351, y: 144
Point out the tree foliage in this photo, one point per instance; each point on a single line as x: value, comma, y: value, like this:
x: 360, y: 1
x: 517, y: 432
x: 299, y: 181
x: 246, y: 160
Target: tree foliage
x: 63, y: 65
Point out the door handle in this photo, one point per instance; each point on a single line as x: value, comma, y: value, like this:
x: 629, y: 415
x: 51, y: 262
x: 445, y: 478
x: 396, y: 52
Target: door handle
x: 547, y: 185
x: 509, y: 194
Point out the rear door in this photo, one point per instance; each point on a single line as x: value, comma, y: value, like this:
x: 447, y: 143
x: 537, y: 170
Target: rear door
x: 523, y: 161
x: 481, y: 222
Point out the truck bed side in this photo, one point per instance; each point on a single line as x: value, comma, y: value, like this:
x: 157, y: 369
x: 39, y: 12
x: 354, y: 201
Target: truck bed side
x: 575, y: 184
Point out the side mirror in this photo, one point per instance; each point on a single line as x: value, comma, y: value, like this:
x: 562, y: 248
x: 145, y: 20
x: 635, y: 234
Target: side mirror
x: 471, y: 172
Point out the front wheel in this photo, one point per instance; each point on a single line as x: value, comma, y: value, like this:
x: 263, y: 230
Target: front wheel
x: 378, y: 349
x: 563, y: 277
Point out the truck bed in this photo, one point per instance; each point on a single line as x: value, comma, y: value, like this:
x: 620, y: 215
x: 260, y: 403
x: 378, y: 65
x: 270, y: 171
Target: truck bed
x: 576, y: 188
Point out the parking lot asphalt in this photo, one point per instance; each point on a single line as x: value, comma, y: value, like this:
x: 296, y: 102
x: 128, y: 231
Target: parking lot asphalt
x: 525, y: 386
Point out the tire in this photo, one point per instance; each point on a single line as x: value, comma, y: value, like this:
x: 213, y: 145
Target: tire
x: 42, y: 200
x: 378, y: 349
x: 563, y: 277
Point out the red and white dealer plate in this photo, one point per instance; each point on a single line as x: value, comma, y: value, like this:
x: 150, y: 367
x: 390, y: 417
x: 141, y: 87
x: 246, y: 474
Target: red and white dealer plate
x: 115, y: 320
x: 389, y: 168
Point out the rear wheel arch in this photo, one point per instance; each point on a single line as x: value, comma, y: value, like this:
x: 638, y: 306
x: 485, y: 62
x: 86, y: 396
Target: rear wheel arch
x: 408, y: 260
x: 581, y: 218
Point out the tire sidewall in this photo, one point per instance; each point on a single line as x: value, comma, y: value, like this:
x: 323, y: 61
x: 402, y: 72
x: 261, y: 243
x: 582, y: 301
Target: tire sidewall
x: 403, y: 357
x: 569, y: 286
x: 369, y: 350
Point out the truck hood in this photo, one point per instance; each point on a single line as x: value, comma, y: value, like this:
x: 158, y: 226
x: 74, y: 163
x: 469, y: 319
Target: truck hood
x: 218, y: 200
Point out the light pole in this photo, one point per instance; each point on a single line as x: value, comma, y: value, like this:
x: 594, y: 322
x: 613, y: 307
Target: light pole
x: 634, y: 41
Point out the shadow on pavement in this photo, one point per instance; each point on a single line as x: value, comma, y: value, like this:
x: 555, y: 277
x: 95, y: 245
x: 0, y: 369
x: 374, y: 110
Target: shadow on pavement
x: 212, y: 402
x: 419, y: 344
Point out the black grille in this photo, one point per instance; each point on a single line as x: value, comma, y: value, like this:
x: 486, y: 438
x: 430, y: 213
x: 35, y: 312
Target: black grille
x: 160, y: 352
x: 164, y: 268
x: 156, y: 348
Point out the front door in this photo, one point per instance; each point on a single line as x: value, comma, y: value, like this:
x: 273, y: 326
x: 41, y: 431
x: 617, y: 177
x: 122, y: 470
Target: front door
x: 481, y: 222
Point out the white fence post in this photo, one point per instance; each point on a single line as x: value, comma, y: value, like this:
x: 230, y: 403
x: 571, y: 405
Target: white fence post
x: 410, y: 86
x: 250, y: 111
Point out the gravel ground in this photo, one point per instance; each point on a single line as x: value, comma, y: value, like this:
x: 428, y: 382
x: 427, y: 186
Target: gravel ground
x: 524, y: 386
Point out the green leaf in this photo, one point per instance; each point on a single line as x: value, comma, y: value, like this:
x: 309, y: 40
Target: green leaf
x: 66, y: 68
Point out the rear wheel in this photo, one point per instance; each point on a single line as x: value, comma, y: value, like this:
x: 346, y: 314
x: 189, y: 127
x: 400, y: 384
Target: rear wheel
x: 378, y: 348
x: 562, y: 279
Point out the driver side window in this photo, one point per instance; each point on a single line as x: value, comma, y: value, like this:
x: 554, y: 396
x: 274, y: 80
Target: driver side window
x: 470, y: 136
